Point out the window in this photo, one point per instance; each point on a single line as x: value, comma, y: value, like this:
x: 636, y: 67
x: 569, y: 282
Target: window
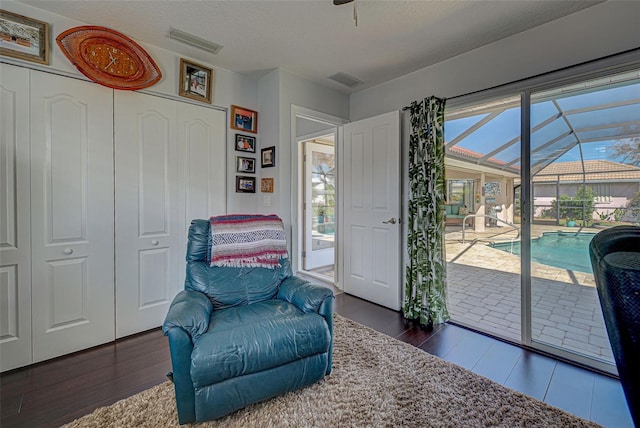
x: 582, y: 172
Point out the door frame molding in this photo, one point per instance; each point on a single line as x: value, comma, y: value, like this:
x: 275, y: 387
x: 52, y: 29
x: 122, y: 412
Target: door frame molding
x: 296, y: 178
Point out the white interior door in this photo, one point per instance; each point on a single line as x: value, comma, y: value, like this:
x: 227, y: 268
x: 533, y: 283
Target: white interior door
x: 71, y: 215
x: 319, y: 199
x: 15, y: 218
x: 146, y: 210
x: 202, y: 170
x: 372, y: 209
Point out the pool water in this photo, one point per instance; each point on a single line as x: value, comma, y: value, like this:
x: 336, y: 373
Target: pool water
x: 564, y: 250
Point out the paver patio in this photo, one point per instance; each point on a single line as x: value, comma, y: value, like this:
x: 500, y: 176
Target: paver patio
x: 484, y: 293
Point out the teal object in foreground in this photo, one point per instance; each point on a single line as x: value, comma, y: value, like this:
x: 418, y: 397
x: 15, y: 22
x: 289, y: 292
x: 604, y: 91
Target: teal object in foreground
x: 565, y: 250
x: 242, y: 335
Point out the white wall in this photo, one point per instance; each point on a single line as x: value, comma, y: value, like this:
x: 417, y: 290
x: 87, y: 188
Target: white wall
x: 268, y: 123
x: 307, y: 127
x: 229, y: 87
x: 599, y: 31
x: 283, y: 89
x: 271, y: 95
x: 596, y: 32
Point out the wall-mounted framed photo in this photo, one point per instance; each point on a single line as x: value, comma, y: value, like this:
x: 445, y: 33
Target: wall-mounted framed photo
x: 196, y: 81
x: 268, y: 157
x: 244, y: 119
x: 24, y: 38
x: 245, y: 184
x: 245, y: 143
x: 266, y: 185
x: 247, y: 165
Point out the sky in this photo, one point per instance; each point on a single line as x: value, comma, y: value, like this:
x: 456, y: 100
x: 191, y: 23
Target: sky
x: 595, y: 115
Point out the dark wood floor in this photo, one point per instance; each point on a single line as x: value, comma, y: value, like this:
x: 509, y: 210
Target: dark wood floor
x: 58, y: 391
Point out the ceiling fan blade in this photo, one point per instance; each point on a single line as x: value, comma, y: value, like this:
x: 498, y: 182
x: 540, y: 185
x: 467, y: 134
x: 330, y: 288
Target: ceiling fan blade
x: 339, y: 2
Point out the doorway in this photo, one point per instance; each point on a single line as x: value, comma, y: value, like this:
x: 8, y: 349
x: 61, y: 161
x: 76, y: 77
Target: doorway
x: 316, y: 239
x: 366, y: 210
x: 319, y: 206
x: 561, y: 162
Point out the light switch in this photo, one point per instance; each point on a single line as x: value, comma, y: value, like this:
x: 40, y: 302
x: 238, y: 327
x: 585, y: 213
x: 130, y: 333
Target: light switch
x: 266, y: 201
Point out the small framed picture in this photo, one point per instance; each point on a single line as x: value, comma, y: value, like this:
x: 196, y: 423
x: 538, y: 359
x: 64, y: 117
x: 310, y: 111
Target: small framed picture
x: 196, y: 81
x: 245, y: 164
x: 245, y: 143
x: 244, y: 119
x: 24, y: 38
x: 266, y: 185
x: 245, y: 184
x: 268, y: 157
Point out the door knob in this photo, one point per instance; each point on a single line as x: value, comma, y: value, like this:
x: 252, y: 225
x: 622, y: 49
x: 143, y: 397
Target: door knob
x: 392, y: 220
x: 68, y: 251
x: 155, y: 242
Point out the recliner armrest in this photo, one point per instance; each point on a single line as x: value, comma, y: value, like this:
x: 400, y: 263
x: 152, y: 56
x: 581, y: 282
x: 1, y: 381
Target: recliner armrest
x: 190, y: 311
x: 310, y: 297
x: 306, y: 296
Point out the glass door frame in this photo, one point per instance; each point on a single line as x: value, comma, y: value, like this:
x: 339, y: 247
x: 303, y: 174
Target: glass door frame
x: 308, y: 257
x: 592, y: 70
x: 335, y: 122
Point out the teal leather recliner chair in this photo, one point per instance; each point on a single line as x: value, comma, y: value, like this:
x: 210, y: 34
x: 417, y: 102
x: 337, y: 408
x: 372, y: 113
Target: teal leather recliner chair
x: 241, y: 335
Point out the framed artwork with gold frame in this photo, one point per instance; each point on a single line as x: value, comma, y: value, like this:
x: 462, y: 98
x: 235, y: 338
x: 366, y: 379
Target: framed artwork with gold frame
x: 196, y: 81
x: 266, y: 185
x: 244, y: 119
x: 24, y: 38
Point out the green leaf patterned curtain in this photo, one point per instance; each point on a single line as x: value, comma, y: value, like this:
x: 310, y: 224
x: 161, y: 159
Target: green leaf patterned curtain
x: 425, y: 297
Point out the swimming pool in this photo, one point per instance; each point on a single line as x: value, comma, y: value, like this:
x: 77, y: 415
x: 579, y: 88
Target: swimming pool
x: 565, y: 250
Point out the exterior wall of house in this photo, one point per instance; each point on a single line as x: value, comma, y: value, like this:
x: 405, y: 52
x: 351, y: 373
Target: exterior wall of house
x: 619, y: 196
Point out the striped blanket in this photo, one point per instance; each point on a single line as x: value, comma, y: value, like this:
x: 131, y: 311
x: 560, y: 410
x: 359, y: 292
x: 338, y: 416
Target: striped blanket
x: 247, y: 241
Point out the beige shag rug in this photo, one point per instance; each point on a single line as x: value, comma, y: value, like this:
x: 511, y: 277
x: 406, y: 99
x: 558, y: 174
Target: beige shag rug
x: 377, y: 381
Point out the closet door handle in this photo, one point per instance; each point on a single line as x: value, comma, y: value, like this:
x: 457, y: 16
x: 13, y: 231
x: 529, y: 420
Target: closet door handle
x: 155, y: 242
x: 68, y: 251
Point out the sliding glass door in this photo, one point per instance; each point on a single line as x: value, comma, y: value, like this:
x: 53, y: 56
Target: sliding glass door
x: 570, y: 155
x: 585, y: 177
x: 482, y: 170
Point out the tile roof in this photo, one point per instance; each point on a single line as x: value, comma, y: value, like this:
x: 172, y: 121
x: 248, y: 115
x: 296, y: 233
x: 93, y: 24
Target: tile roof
x: 595, y: 170
x: 470, y: 154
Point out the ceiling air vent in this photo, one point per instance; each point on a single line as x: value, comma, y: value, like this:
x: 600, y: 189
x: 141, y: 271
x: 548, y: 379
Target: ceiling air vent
x: 346, y: 79
x: 197, y: 42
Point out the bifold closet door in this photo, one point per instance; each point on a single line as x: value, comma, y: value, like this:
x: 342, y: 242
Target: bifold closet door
x: 15, y: 242
x: 71, y: 215
x: 202, y: 188
x: 146, y: 210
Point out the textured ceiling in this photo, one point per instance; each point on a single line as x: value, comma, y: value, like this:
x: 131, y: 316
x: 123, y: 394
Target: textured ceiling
x: 315, y: 39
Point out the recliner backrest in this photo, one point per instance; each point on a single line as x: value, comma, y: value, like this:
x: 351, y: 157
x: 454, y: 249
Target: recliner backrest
x: 228, y: 286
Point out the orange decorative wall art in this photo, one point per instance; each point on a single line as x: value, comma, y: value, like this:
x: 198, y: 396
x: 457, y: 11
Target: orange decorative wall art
x: 109, y: 58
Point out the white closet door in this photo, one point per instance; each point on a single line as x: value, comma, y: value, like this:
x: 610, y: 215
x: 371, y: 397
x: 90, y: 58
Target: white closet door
x: 71, y: 215
x: 202, y: 144
x: 15, y: 245
x: 146, y: 210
